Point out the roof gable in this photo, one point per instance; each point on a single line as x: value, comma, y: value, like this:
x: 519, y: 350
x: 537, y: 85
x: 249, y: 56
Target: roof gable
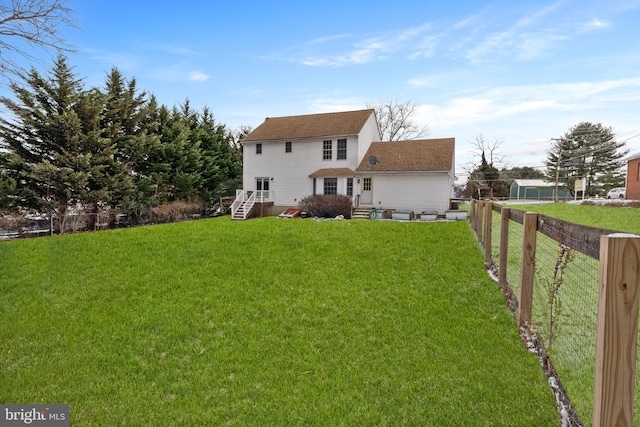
x: 312, y: 125
x: 413, y: 155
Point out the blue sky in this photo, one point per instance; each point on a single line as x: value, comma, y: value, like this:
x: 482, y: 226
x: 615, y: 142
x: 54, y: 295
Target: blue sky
x: 521, y: 72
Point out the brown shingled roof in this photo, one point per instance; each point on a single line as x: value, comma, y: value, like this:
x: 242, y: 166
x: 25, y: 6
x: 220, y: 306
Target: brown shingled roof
x: 312, y: 125
x: 415, y: 155
x: 333, y: 172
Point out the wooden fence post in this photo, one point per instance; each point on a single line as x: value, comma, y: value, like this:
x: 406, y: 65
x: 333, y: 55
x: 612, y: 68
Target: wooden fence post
x: 472, y: 209
x: 617, y: 331
x: 479, y: 215
x: 488, y: 210
x: 527, y: 270
x: 504, y: 246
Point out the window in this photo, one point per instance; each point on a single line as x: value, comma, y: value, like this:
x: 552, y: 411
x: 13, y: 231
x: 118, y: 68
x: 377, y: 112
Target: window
x: 258, y: 148
x: 327, y: 148
x: 350, y: 187
x: 366, y: 184
x: 330, y: 185
x: 342, y: 149
x: 638, y: 171
x: 287, y: 147
x: 262, y: 184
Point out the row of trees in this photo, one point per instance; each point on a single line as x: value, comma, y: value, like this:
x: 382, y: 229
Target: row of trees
x: 65, y: 146
x: 587, y: 150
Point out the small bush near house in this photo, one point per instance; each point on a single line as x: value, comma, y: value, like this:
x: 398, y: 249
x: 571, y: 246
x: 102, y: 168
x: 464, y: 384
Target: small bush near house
x: 326, y: 206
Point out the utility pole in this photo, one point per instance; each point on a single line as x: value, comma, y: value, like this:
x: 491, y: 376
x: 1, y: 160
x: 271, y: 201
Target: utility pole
x: 555, y: 199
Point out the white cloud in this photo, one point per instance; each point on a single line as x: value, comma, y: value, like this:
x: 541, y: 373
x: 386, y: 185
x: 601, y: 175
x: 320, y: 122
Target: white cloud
x: 506, y: 101
x: 426, y: 49
x: 198, y: 76
x: 594, y: 25
x: 522, y: 41
x: 366, y: 50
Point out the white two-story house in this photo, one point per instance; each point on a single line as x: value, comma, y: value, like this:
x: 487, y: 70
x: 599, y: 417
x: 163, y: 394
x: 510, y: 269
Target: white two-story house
x: 288, y: 158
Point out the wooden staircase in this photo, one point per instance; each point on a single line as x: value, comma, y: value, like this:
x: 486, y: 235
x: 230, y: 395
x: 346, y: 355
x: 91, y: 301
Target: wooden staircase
x: 240, y: 212
x: 241, y: 207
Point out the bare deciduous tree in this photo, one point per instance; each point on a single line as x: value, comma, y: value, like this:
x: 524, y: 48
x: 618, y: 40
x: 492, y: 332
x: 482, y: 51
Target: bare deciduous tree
x: 483, y: 171
x: 395, y: 121
x: 489, y: 150
x: 31, y: 23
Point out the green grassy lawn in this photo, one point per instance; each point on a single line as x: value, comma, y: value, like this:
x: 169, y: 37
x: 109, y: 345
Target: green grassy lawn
x: 610, y: 217
x: 265, y: 322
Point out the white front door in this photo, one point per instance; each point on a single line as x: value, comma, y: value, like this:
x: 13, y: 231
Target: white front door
x: 367, y: 191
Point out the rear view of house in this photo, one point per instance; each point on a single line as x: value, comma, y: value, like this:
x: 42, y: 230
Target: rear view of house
x: 288, y: 158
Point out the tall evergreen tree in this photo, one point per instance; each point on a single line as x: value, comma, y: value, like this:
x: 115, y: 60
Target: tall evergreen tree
x: 129, y: 120
x: 588, y: 151
x: 59, y: 157
x: 7, y: 184
x: 44, y: 139
x: 220, y: 160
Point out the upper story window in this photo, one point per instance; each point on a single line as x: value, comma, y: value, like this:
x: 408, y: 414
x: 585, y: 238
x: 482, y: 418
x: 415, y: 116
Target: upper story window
x: 287, y: 147
x: 258, y: 148
x: 327, y: 150
x: 342, y: 149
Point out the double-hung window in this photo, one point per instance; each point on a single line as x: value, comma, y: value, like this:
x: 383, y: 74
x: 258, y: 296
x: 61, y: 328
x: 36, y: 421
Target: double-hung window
x: 327, y: 149
x: 287, y: 147
x: 258, y: 148
x: 331, y: 186
x: 342, y: 149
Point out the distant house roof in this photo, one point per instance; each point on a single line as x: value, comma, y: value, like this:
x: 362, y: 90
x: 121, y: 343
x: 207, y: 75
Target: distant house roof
x: 632, y: 157
x: 333, y: 172
x: 533, y: 183
x: 312, y: 125
x: 414, y: 155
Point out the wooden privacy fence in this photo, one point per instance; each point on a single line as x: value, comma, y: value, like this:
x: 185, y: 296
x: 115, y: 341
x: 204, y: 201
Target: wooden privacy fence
x: 617, y: 301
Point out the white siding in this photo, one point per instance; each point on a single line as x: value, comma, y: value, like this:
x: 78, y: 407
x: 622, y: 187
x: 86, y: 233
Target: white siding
x: 369, y: 133
x: 417, y: 193
x: 290, y: 171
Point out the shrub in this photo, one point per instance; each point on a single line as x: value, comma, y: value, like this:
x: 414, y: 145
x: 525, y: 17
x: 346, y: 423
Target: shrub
x: 326, y: 206
x: 12, y: 222
x: 175, y: 211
